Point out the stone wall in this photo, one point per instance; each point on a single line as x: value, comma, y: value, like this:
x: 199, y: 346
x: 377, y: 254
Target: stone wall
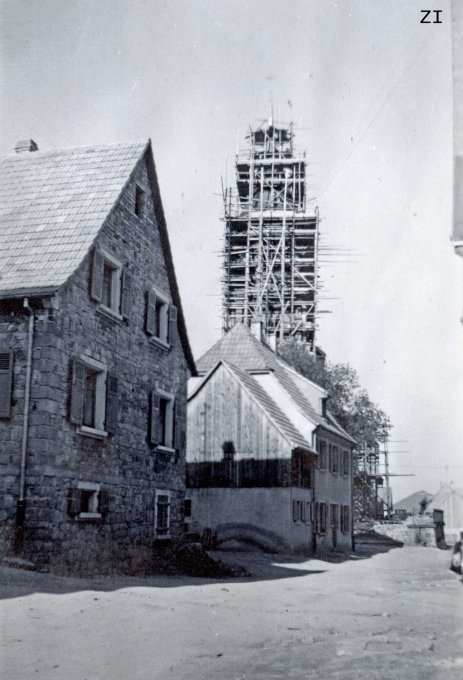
x: 126, y: 466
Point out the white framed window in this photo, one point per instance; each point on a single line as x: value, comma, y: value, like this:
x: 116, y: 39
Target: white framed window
x: 157, y: 317
x: 163, y: 420
x: 111, y: 285
x: 88, y: 501
x: 161, y: 319
x: 94, y: 397
x: 162, y: 513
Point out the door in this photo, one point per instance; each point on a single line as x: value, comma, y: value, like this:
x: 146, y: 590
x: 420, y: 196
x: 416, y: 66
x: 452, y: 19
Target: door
x: 334, y: 525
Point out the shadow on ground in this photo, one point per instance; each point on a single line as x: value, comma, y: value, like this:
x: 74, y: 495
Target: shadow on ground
x: 259, y: 566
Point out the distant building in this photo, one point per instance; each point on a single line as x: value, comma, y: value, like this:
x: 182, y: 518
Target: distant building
x: 450, y: 500
x: 94, y: 357
x: 266, y: 462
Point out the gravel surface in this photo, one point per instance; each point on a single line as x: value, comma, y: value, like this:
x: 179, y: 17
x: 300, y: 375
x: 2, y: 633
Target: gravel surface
x: 392, y: 615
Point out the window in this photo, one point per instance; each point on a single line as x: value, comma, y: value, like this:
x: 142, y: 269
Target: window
x: 161, y: 319
x: 345, y: 462
x: 335, y: 459
x: 111, y: 285
x: 162, y: 514
x: 345, y: 519
x: 140, y: 198
x: 94, y: 397
x: 87, y: 501
x: 187, y: 508
x: 6, y: 383
x: 334, y: 515
x: 89, y: 406
x: 322, y: 454
x: 167, y: 431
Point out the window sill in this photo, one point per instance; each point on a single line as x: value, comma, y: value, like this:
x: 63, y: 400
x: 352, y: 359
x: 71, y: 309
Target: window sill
x: 158, y: 342
x: 163, y: 537
x: 92, y: 432
x: 88, y: 516
x: 109, y: 313
x: 165, y: 449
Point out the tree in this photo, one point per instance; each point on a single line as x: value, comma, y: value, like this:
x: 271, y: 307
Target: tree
x: 364, y: 420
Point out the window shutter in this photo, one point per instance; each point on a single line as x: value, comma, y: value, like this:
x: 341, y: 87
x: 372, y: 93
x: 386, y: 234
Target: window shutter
x: 73, y: 501
x: 103, y: 502
x: 97, y: 275
x: 77, y: 391
x: 6, y: 383
x: 151, y: 313
x: 111, y: 403
x: 126, y: 293
x: 172, y: 324
x: 179, y: 430
x: 154, y: 418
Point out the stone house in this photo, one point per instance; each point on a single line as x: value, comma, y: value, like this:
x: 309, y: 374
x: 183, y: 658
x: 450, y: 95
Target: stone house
x: 94, y: 357
x: 266, y: 462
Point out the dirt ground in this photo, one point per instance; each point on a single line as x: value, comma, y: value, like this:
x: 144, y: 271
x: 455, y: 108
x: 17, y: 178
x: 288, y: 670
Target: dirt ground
x: 391, y: 615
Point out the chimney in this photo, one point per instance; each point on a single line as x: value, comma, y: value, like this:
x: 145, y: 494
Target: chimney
x: 272, y: 341
x: 26, y: 145
x: 257, y: 329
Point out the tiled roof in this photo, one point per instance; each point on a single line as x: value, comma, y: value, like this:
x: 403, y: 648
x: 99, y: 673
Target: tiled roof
x: 52, y: 205
x: 241, y: 348
x: 266, y: 402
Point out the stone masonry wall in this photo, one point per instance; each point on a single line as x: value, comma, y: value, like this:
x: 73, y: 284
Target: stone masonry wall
x: 124, y: 464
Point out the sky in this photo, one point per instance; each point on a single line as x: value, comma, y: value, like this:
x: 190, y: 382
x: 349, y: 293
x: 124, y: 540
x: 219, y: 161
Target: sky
x: 371, y: 91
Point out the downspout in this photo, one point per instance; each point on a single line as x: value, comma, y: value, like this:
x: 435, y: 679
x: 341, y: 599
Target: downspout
x: 21, y: 505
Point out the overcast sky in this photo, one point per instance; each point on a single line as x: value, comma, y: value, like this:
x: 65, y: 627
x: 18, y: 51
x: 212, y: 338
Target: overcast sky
x: 371, y: 87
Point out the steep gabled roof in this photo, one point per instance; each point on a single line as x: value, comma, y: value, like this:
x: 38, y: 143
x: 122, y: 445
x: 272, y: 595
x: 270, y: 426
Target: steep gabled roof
x: 265, y: 402
x: 52, y: 207
x: 240, y: 347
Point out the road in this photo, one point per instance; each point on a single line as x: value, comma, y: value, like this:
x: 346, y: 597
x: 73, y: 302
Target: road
x: 396, y: 615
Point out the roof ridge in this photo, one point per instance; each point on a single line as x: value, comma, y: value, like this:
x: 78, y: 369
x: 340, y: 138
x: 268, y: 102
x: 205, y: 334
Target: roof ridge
x: 40, y: 153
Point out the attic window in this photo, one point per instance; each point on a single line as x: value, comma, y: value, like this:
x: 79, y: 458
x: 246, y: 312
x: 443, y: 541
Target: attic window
x: 140, y: 197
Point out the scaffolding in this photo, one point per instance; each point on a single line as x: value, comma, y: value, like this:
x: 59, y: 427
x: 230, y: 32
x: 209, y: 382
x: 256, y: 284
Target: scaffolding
x: 271, y: 240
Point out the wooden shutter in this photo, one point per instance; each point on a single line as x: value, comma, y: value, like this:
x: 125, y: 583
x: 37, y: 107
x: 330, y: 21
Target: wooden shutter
x: 111, y: 403
x: 77, y: 391
x: 172, y: 324
x: 151, y: 313
x: 96, y: 290
x: 126, y: 293
x: 179, y: 430
x: 103, y: 502
x: 154, y: 418
x: 73, y: 501
x: 6, y: 383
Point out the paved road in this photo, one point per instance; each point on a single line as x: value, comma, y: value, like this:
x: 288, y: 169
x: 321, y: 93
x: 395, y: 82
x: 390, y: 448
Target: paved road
x: 397, y: 615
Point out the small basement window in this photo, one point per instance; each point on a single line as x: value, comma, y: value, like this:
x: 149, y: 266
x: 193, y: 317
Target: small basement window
x: 187, y: 507
x: 140, y: 198
x: 86, y: 501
